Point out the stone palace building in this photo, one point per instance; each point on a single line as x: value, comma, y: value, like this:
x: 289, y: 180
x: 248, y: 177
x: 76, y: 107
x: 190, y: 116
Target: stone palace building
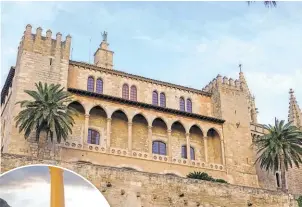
x: 135, y: 124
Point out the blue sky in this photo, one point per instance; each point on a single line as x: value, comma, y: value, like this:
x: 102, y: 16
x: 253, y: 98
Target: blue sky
x: 30, y: 187
x: 186, y: 43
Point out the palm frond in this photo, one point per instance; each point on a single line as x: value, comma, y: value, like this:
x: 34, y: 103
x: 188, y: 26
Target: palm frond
x: 46, y: 111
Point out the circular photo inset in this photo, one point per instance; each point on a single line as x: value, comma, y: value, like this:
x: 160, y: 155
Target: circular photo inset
x: 46, y: 185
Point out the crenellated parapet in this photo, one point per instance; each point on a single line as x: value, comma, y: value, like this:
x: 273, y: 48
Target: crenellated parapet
x: 45, y: 45
x: 224, y: 82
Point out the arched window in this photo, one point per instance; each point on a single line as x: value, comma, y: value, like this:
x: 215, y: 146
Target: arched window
x: 278, y: 179
x: 99, y: 85
x: 155, y: 98
x: 93, y: 137
x: 133, y: 94
x: 162, y: 100
x: 90, y: 84
x: 184, y: 152
x: 182, y: 104
x: 189, y: 105
x: 159, y: 147
x: 125, y: 91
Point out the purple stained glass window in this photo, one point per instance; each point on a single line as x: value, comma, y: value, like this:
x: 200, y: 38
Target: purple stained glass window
x: 90, y: 84
x: 133, y: 94
x: 159, y: 147
x: 182, y: 104
x: 125, y: 91
x: 99, y: 85
x: 189, y: 105
x: 93, y: 137
x: 155, y: 98
x: 162, y: 100
x: 184, y: 152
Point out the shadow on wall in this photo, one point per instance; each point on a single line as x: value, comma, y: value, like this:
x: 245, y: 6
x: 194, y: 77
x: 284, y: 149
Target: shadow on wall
x: 3, y: 203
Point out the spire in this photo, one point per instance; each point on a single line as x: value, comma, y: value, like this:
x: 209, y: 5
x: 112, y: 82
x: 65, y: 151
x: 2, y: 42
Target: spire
x: 103, y: 57
x: 243, y: 82
x: 294, y: 114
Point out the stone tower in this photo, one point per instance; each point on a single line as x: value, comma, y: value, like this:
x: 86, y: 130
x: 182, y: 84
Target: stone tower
x: 231, y: 102
x: 40, y: 58
x: 294, y: 114
x: 103, y: 57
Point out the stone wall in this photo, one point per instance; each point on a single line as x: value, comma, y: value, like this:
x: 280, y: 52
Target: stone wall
x: 124, y: 187
x: 112, y: 85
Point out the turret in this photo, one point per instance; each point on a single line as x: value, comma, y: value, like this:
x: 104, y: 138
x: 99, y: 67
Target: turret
x: 103, y: 57
x: 294, y: 113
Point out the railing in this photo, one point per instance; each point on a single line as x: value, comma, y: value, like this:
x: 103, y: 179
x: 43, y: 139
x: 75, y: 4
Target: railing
x: 143, y: 155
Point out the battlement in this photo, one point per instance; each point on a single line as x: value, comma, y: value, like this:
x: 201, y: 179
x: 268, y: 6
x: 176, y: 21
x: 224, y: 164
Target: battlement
x: 45, y: 44
x: 225, y: 82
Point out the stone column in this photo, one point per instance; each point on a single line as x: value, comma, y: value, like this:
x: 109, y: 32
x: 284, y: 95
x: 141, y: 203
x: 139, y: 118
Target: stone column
x: 108, y: 134
x: 205, y: 143
x: 129, y: 137
x: 150, y: 140
x: 222, y: 151
x: 188, y: 147
x: 86, y: 129
x: 169, y: 144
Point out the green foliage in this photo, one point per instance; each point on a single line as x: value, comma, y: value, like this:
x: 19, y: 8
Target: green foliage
x: 47, y: 111
x: 266, y: 3
x: 204, y: 176
x: 300, y: 201
x: 220, y: 181
x: 281, y: 146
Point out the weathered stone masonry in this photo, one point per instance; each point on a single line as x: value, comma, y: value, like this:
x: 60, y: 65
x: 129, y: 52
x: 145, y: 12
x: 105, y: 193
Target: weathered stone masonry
x: 123, y: 188
x: 218, y: 127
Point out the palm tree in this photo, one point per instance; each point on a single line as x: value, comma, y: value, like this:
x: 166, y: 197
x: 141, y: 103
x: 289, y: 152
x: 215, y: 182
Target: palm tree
x: 266, y: 3
x: 280, y: 148
x: 47, y: 112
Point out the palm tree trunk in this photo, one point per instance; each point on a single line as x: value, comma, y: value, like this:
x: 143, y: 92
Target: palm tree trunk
x: 283, y: 177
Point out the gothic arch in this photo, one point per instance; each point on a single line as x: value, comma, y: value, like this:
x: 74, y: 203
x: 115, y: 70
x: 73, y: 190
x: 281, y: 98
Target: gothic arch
x: 98, y: 105
x: 119, y: 129
x: 98, y: 121
x: 79, y: 119
x: 214, y: 146
x: 178, y: 138
x: 159, y: 127
x: 197, y: 140
x: 140, y: 141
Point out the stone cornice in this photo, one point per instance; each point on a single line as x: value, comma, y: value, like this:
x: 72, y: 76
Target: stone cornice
x: 128, y: 75
x: 144, y: 105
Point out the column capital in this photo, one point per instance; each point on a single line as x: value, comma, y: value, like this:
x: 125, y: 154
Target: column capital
x: 169, y: 130
x: 87, y: 115
x: 187, y: 134
x: 149, y: 127
x: 129, y: 123
x: 109, y: 119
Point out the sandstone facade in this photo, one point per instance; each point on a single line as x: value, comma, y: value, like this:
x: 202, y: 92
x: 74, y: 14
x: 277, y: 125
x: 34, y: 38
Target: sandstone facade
x: 207, y: 130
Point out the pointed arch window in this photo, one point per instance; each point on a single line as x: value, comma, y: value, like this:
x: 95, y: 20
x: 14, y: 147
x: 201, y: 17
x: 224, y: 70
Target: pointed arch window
x: 90, y: 84
x: 93, y: 137
x: 99, y: 85
x: 159, y: 147
x: 125, y: 91
x: 162, y: 100
x: 184, y: 152
x: 155, y: 98
x: 182, y: 104
x: 133, y: 93
x: 189, y: 105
